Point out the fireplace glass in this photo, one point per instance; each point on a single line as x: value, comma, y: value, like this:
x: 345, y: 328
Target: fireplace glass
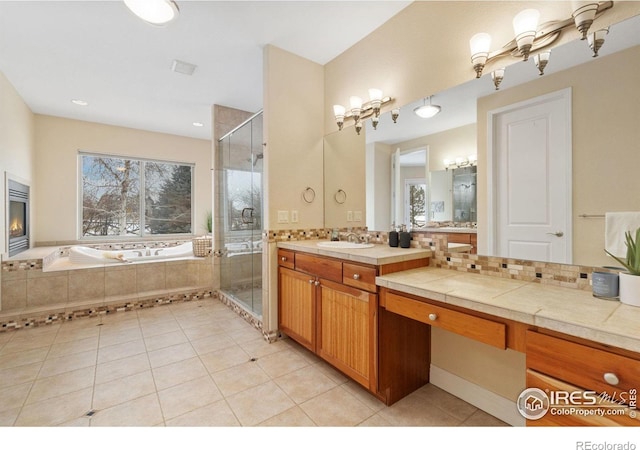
x: 17, y: 218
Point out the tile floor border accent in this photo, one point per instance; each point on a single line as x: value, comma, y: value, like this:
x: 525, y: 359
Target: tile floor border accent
x: 18, y: 320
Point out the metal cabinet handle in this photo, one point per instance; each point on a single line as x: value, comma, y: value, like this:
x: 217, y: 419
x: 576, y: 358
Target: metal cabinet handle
x: 311, y: 281
x: 317, y: 283
x: 356, y: 276
x: 611, y: 378
x: 433, y: 316
x: 284, y: 258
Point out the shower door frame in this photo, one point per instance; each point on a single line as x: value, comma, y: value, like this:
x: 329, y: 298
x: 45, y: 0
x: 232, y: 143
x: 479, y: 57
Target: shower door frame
x: 254, y: 232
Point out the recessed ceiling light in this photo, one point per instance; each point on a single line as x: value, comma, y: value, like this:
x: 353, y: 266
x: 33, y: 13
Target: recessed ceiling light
x: 198, y: 124
x: 155, y: 12
x: 79, y: 102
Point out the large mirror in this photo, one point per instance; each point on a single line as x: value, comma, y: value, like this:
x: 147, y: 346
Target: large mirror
x: 600, y: 173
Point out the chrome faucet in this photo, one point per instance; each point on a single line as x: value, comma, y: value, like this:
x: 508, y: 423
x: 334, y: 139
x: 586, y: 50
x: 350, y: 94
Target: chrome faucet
x: 157, y: 252
x: 353, y: 237
x: 147, y: 251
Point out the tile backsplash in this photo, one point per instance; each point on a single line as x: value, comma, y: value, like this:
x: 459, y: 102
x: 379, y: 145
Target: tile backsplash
x: 570, y: 276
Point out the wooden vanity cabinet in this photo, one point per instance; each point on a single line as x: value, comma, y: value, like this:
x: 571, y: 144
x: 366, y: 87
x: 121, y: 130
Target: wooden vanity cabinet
x: 599, y: 377
x: 330, y: 306
x: 320, y: 309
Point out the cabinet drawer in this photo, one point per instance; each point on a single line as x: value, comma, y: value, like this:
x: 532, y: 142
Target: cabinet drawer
x: 582, y: 365
x: 583, y: 410
x: 479, y: 329
x: 459, y: 238
x: 286, y: 258
x: 360, y: 277
x: 326, y: 268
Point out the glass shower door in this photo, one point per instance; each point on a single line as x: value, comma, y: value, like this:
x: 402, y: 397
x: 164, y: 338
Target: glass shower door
x: 241, y: 186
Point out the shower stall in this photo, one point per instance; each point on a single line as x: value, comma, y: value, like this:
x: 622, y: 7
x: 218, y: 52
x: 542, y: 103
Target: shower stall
x: 239, y: 230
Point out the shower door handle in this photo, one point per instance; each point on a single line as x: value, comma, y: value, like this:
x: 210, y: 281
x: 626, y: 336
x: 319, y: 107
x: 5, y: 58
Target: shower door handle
x: 244, y: 217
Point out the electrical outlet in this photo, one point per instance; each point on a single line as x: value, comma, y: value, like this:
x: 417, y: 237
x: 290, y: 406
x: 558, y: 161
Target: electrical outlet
x: 294, y: 216
x: 357, y: 216
x: 283, y: 216
x: 349, y: 216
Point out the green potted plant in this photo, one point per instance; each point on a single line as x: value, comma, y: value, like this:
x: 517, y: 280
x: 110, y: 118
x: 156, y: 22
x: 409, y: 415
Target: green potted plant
x: 630, y: 280
x: 209, y: 222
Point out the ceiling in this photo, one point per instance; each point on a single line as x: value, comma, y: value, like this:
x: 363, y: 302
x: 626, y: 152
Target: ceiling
x: 99, y: 52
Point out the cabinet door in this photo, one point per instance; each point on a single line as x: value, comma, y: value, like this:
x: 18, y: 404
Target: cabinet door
x: 297, y: 306
x: 346, y: 318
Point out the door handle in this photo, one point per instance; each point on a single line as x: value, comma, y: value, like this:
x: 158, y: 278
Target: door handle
x: 557, y: 233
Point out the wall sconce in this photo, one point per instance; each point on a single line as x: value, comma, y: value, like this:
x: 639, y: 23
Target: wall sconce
x: 530, y: 38
x: 427, y: 111
x: 497, y: 76
x: 460, y: 161
x: 360, y: 111
x: 541, y: 60
x: 583, y: 16
x: 596, y: 40
x: 525, y: 25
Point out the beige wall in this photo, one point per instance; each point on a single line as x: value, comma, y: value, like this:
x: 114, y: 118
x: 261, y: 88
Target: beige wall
x: 293, y: 131
x: 605, y: 134
x: 58, y: 141
x: 17, y: 154
x: 344, y: 169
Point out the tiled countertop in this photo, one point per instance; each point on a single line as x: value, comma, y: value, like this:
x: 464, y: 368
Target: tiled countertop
x: 570, y: 311
x: 379, y: 254
x: 449, y: 230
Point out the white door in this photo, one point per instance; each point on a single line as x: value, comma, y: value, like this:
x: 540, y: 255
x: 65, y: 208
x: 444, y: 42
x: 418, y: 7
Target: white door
x: 530, y: 156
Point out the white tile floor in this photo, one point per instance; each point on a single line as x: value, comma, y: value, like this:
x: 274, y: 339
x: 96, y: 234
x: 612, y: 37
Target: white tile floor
x: 193, y: 364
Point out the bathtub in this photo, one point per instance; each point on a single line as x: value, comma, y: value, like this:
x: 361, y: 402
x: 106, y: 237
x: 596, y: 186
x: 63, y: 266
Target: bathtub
x: 87, y: 255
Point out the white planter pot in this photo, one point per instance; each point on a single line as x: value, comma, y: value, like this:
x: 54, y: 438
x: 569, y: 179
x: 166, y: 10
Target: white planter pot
x: 629, y: 289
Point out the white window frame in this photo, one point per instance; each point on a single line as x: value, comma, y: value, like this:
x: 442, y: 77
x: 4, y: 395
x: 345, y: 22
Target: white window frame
x: 141, y: 213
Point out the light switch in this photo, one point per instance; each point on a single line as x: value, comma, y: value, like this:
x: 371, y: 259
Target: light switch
x: 294, y: 216
x: 283, y: 216
x: 357, y: 216
x: 349, y: 216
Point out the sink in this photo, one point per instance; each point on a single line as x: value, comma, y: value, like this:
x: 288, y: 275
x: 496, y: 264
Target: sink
x: 342, y: 244
x: 455, y: 228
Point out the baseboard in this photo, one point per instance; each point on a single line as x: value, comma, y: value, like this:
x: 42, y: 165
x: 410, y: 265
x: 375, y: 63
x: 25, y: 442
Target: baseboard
x: 478, y: 396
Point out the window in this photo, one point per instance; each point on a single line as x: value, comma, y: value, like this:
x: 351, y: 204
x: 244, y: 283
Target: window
x: 415, y: 199
x: 134, y: 197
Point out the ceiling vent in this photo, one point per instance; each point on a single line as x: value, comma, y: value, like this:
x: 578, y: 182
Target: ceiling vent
x: 183, y: 67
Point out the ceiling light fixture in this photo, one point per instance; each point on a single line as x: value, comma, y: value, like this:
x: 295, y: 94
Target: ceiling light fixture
x: 79, y: 102
x: 360, y: 110
x: 427, y: 111
x: 530, y: 38
x: 155, y: 12
x: 198, y: 124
